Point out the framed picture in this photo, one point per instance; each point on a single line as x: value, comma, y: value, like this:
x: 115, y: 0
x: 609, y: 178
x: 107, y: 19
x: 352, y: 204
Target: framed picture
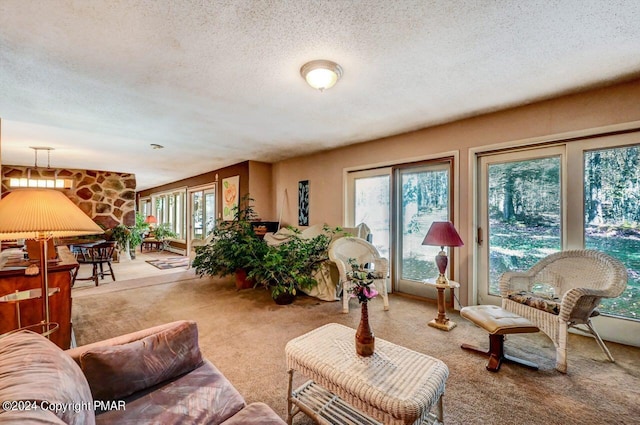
x: 230, y: 190
x: 303, y: 203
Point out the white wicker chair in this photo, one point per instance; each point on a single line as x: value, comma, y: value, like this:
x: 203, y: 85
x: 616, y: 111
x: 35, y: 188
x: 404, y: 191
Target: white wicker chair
x: 363, y: 252
x: 580, y: 278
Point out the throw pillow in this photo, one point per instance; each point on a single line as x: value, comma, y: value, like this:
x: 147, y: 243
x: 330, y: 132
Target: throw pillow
x: 115, y: 372
x: 33, y: 368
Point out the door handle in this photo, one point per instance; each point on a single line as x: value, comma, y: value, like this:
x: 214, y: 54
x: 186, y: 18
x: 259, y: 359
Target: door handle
x: 479, y: 236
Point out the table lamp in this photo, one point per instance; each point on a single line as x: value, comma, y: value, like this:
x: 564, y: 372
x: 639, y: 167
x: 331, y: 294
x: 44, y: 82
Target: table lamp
x: 42, y: 214
x: 151, y: 219
x: 442, y: 233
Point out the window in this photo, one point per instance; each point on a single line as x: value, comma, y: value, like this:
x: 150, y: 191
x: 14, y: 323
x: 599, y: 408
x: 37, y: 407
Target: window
x: 424, y: 196
x: 47, y: 183
x: 370, y: 203
x: 170, y: 209
x: 203, y: 212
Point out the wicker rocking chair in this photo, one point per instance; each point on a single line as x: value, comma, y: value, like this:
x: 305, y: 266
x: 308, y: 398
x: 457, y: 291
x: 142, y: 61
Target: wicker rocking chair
x: 341, y: 250
x: 579, y: 279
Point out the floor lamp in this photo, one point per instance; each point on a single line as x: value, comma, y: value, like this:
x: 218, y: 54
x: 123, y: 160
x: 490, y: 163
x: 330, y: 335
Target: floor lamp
x: 42, y: 214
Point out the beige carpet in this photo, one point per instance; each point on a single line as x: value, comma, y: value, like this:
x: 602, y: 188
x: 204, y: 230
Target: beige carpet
x: 244, y: 334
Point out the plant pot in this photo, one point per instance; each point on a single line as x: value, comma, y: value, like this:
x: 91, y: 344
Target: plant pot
x: 284, y: 299
x: 241, y: 280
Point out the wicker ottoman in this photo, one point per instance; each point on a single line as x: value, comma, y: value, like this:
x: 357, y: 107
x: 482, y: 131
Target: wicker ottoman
x: 498, y: 323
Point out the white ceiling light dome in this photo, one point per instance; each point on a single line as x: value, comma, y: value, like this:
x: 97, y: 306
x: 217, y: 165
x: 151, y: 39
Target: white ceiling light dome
x: 321, y: 74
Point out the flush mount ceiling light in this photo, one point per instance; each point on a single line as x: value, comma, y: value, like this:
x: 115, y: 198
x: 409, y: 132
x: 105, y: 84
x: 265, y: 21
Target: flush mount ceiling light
x: 321, y: 74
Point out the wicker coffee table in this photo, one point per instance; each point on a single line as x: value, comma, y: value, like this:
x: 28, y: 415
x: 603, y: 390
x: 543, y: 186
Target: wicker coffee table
x: 394, y: 386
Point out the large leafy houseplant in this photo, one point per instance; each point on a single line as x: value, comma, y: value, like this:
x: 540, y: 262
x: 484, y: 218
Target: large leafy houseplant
x: 284, y: 269
x: 130, y: 237
x: 234, y: 245
x: 137, y: 233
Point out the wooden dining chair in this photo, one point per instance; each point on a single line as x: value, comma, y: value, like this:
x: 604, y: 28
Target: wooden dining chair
x: 97, y: 255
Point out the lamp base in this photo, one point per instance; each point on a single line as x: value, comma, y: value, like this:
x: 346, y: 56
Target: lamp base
x: 446, y: 326
x: 442, y: 281
x: 442, y: 322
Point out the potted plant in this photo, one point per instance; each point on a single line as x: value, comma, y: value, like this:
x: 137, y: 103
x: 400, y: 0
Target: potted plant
x: 233, y: 248
x: 163, y: 232
x: 286, y: 268
x: 129, y: 237
x: 137, y: 234
x: 122, y: 235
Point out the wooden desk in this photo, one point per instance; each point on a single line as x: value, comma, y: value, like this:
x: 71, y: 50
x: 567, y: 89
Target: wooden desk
x: 60, y: 276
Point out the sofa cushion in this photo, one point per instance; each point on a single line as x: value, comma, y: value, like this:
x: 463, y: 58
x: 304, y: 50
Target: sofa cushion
x: 202, y: 396
x: 549, y: 304
x: 116, y: 371
x: 33, y: 368
x: 257, y: 414
x: 30, y: 417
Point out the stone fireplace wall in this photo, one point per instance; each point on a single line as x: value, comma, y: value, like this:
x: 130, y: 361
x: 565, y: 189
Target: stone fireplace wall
x: 107, y: 197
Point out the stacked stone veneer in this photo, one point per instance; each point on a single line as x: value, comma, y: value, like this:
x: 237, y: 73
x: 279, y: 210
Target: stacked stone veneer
x: 107, y: 197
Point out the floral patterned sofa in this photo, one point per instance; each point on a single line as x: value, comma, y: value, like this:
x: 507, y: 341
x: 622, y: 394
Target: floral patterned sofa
x: 154, y: 376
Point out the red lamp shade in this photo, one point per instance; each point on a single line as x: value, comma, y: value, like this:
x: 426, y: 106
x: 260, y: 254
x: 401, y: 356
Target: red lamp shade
x: 442, y: 233
x: 151, y: 219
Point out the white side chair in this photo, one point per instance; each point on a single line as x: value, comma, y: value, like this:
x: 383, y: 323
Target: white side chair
x: 576, y: 280
x: 341, y: 250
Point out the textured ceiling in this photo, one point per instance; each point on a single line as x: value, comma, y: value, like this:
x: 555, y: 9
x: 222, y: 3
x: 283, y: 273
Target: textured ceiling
x: 217, y: 82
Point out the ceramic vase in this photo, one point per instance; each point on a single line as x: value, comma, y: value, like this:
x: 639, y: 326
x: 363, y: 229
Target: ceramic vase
x: 365, y: 340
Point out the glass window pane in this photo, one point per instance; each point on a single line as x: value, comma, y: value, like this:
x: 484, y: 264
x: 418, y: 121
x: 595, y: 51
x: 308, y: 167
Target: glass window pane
x: 612, y: 218
x: 372, y: 208
x: 197, y: 212
x: 425, y: 199
x: 524, y: 215
x: 210, y: 212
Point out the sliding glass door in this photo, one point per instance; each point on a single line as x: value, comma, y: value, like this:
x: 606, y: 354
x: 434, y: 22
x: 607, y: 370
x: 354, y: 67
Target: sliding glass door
x: 202, y: 212
x: 399, y: 204
x: 582, y: 194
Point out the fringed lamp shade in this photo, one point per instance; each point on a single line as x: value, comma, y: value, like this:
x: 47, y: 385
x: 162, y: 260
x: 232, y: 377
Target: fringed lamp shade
x: 37, y: 213
x: 151, y: 219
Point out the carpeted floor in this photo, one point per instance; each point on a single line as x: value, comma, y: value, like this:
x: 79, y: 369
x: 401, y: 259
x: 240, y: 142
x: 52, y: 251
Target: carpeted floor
x: 244, y: 334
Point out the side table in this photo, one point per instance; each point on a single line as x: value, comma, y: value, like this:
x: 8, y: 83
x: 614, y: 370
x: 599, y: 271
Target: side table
x: 442, y: 322
x: 394, y: 386
x: 151, y: 244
